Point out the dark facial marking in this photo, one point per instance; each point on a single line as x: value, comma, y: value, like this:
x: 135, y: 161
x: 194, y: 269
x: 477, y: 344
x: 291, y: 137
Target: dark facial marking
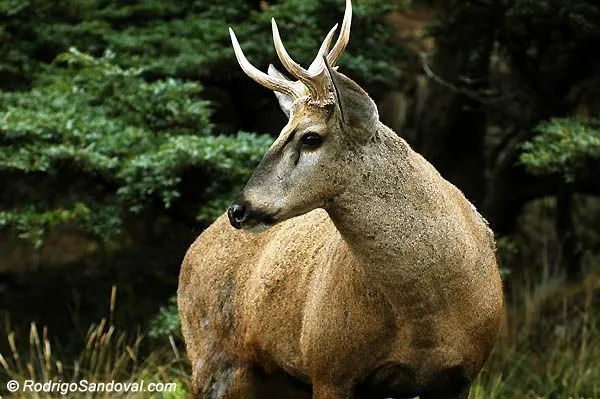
x: 290, y: 138
x: 296, y: 156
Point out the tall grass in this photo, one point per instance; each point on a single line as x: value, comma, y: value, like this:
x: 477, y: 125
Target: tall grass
x: 550, y: 347
x: 106, y: 355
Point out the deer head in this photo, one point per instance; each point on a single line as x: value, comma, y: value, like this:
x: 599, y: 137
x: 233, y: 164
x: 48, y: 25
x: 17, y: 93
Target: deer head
x: 318, y: 151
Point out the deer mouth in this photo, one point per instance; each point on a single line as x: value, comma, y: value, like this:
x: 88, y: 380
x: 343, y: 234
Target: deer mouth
x: 258, y: 228
x: 243, y: 217
x: 258, y: 221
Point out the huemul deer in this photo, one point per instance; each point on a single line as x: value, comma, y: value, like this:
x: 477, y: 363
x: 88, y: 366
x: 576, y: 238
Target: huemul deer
x: 372, y: 276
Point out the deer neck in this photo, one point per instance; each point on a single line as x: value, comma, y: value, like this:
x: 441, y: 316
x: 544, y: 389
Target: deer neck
x: 387, y: 211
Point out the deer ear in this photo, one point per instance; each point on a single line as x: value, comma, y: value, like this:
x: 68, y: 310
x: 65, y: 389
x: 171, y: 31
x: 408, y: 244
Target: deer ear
x: 356, y: 109
x: 285, y: 101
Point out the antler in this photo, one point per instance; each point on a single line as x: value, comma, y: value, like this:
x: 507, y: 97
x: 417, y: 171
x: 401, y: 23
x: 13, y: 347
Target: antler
x: 270, y: 82
x: 317, y: 81
x: 323, y: 50
x: 314, y: 78
x: 343, y: 39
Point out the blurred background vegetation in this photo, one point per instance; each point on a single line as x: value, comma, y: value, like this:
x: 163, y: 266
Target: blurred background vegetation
x: 127, y: 126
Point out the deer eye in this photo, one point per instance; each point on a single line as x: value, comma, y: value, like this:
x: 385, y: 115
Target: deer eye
x: 311, y: 140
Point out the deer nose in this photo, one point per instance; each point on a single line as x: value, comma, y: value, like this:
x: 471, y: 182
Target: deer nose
x: 236, y: 214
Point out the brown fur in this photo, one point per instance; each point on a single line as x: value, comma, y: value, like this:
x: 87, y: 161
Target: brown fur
x: 390, y: 288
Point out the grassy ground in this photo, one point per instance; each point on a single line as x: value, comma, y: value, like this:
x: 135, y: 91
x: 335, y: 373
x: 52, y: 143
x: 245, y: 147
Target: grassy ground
x: 550, y: 348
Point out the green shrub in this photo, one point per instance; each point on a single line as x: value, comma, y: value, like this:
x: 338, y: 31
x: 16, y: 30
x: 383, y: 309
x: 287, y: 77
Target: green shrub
x: 189, y: 39
x: 166, y: 322
x: 566, y: 146
x: 99, y: 142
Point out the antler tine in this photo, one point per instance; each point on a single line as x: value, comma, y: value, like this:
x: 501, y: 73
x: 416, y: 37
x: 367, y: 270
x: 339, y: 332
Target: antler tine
x: 270, y: 82
x: 292, y: 66
x: 323, y: 50
x: 316, y: 82
x: 342, y: 40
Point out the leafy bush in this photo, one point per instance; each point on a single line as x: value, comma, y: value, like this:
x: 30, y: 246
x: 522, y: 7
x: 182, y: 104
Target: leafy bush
x: 566, y: 146
x: 166, y: 322
x: 189, y: 39
x: 98, y: 142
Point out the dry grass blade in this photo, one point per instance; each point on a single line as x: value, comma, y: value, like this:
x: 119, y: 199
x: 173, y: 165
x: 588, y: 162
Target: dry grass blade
x: 113, y: 301
x: 4, y: 363
x: 15, y: 353
x: 174, y: 347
